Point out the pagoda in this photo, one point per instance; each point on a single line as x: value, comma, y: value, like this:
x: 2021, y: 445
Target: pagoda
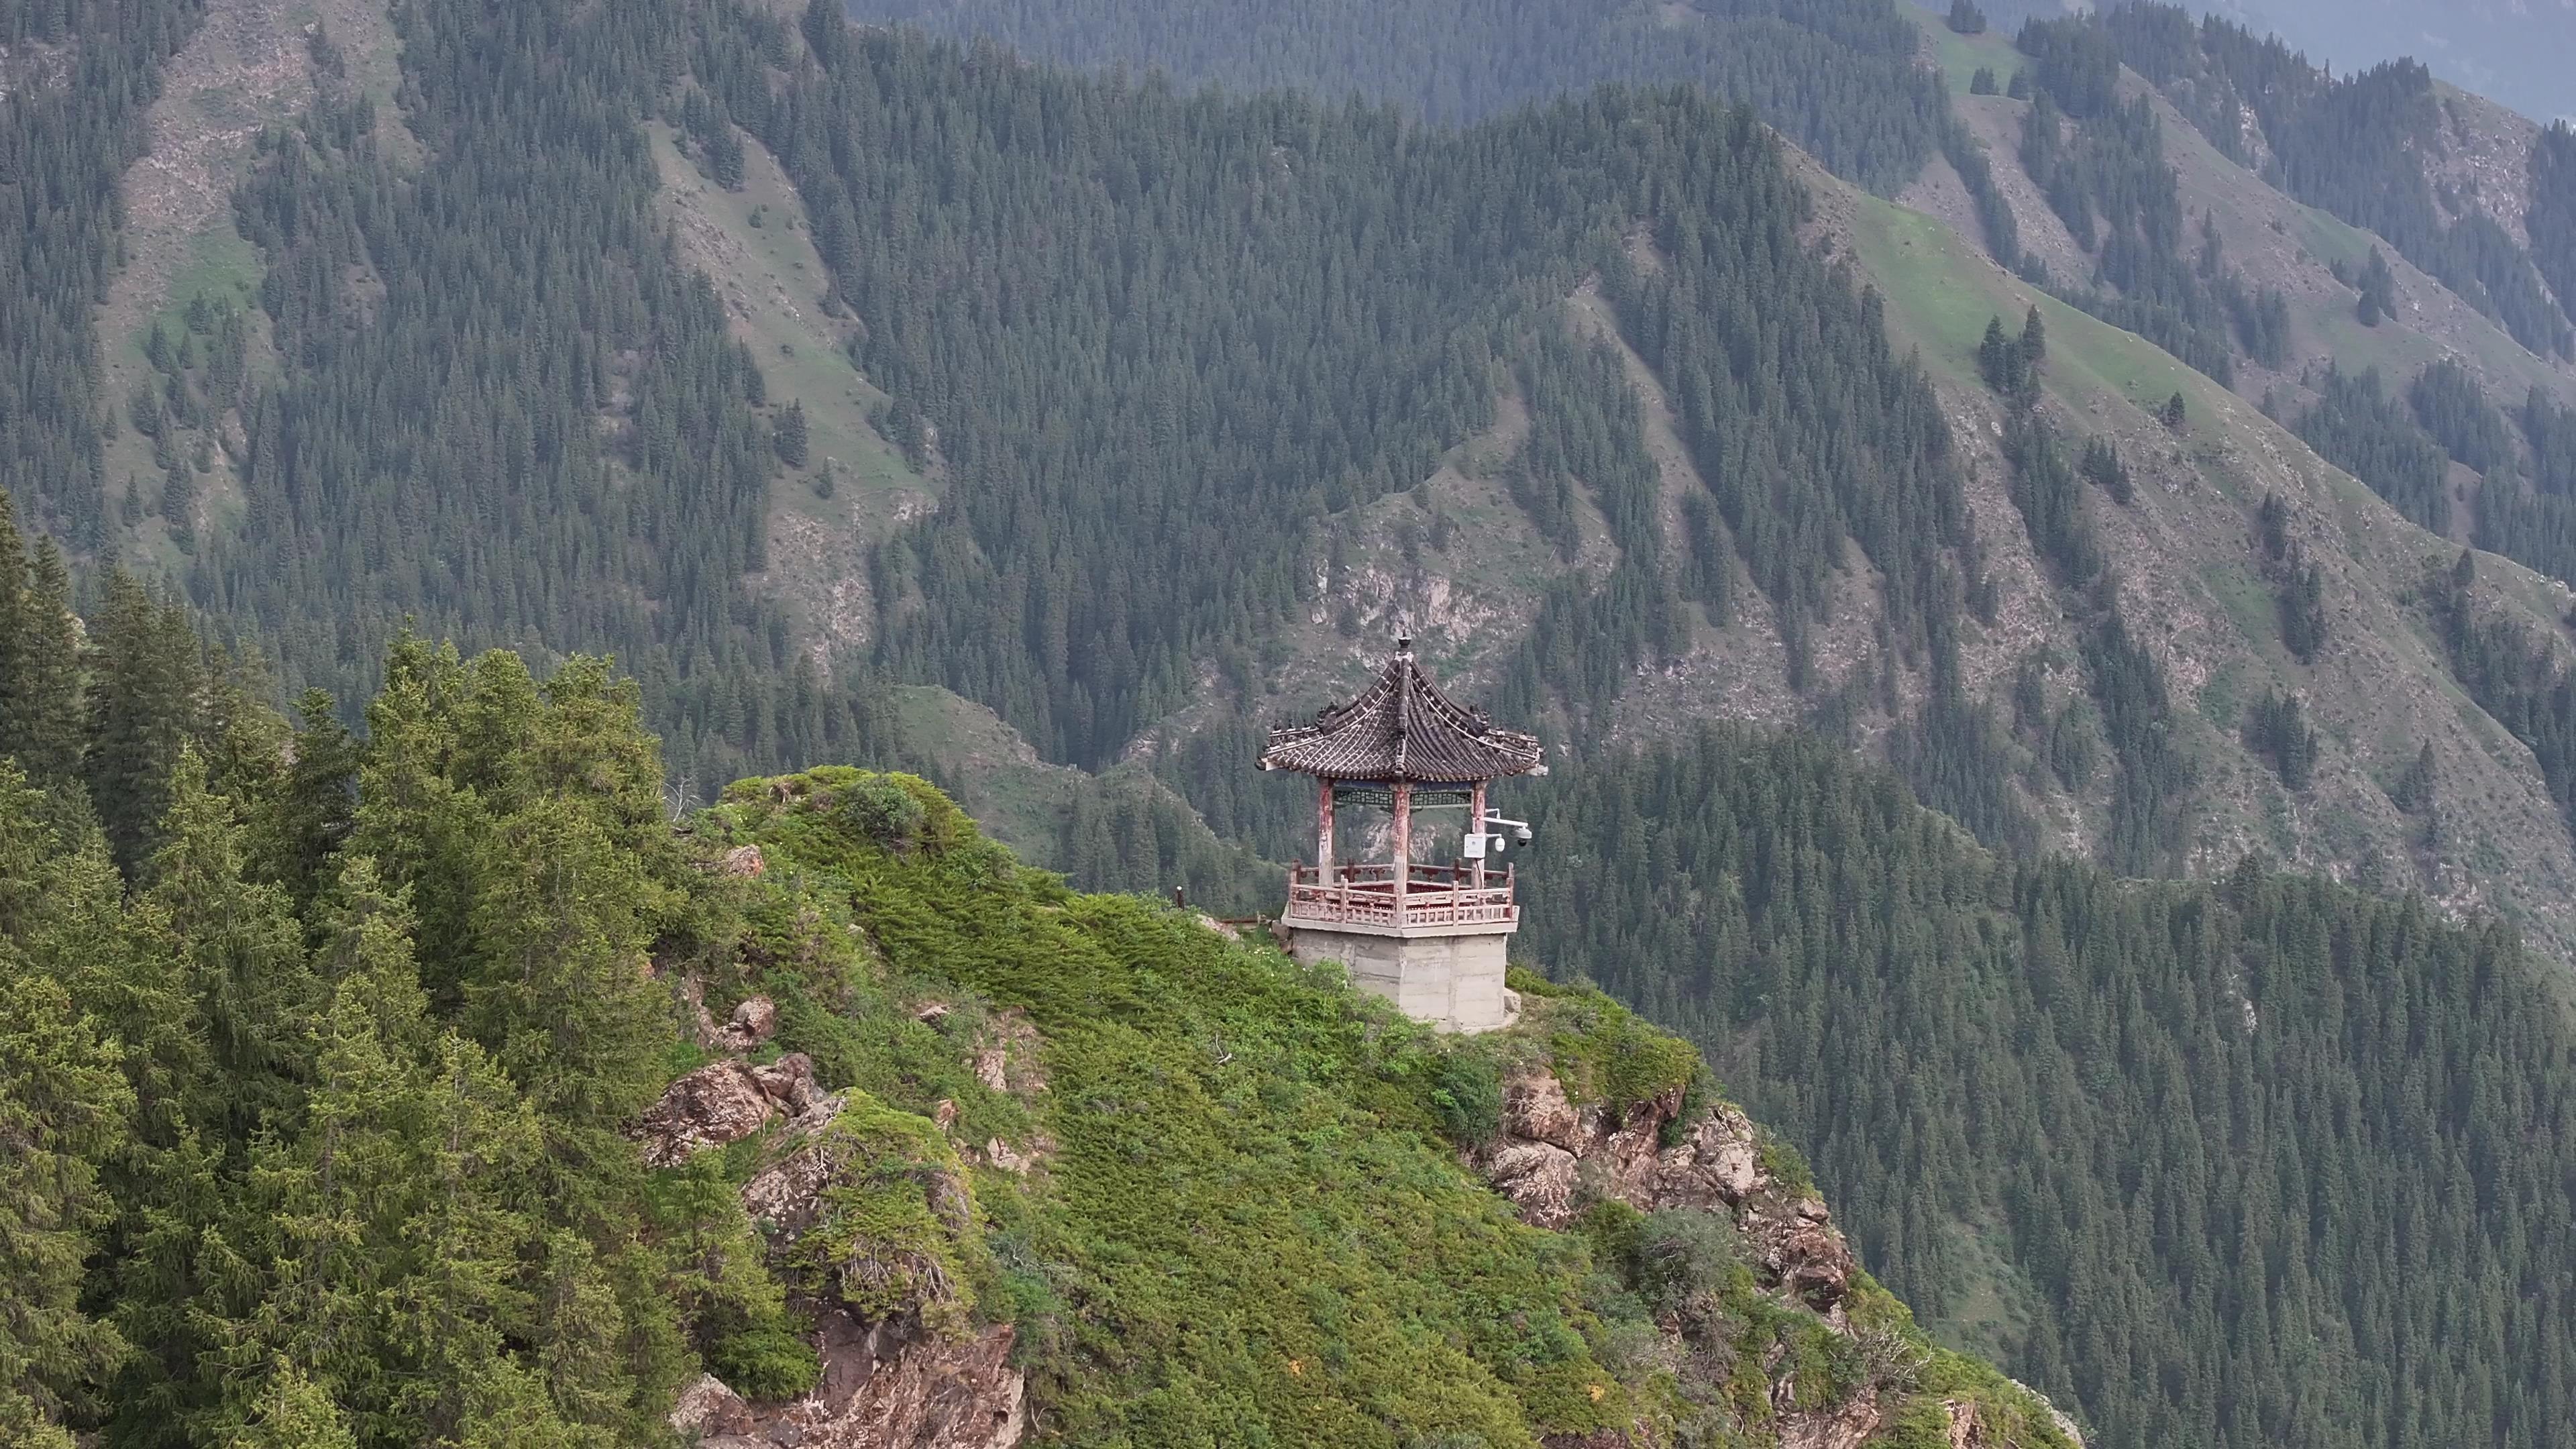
x: 1428, y: 937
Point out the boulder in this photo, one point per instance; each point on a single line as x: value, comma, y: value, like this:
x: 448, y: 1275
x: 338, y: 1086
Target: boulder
x: 885, y: 1385
x: 1537, y: 1177
x: 789, y: 1082
x: 723, y: 1102
x: 716, y: 1104
x: 1535, y: 1108
x: 754, y: 1022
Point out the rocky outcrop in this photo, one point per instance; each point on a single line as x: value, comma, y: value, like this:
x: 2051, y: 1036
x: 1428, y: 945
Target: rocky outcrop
x: 723, y: 1102
x: 754, y: 1022
x: 885, y: 1385
x: 902, y: 1367
x: 1553, y: 1159
x: 1845, y: 1426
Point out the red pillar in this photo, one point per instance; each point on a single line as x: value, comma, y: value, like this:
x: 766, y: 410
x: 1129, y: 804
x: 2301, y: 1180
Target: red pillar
x: 1403, y: 844
x: 1324, y: 833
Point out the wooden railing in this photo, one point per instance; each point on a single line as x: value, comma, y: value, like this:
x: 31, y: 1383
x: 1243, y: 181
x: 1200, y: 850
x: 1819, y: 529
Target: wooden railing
x: 1434, y: 895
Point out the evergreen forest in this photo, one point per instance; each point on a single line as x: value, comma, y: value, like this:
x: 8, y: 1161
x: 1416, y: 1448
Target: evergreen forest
x: 2253, y: 1161
x: 369, y: 866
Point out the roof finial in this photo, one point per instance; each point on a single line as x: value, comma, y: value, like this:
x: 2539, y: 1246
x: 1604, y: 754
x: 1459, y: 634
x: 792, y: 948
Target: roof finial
x: 1404, y: 639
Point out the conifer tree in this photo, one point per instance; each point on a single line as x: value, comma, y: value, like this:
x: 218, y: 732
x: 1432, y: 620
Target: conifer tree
x: 791, y: 435
x: 39, y: 664
x: 144, y: 680
x: 64, y: 1110
x: 293, y: 1412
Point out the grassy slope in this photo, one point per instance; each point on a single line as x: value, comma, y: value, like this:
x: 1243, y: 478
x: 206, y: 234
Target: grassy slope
x: 2193, y: 594
x: 755, y: 246
x: 249, y: 67
x: 1249, y: 1220
x: 2274, y: 240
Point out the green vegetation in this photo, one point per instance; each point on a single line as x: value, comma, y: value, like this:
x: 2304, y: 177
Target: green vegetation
x: 2276, y: 1114
x: 1081, y: 567
x: 1838, y: 76
x: 2354, y: 145
x: 2358, y: 428
x: 319, y: 1121
x: 63, y: 150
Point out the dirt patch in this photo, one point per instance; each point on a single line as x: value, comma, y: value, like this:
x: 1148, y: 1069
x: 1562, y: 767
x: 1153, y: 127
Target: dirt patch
x: 249, y: 66
x: 1995, y: 121
x: 2482, y: 155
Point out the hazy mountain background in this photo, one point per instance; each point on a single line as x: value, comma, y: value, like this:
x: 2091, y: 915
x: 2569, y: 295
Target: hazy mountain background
x: 2519, y: 52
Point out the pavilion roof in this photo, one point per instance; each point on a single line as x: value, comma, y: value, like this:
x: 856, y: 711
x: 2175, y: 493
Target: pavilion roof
x: 1403, y: 728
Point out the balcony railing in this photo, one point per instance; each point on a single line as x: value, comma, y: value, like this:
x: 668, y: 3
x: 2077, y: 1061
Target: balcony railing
x: 1434, y: 895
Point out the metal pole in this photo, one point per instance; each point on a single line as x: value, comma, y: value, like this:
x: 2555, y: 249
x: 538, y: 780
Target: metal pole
x: 1476, y: 826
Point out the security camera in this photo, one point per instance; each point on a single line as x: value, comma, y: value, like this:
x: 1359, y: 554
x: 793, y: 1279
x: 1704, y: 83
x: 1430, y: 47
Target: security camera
x: 1521, y: 834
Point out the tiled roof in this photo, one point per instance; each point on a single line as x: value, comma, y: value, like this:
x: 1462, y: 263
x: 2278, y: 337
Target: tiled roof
x: 1403, y: 728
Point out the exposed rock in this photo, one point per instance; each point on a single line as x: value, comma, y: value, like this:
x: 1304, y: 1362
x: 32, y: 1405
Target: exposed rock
x: 723, y: 1102
x: 742, y: 862
x: 1845, y: 1426
x: 932, y: 1013
x: 1964, y: 1432
x: 944, y: 1114
x: 1717, y: 1165
x: 714, y: 1105
x: 1535, y: 1107
x: 789, y: 1081
x: 993, y: 1068
x: 754, y: 1021
x: 707, y: 1411
x: 2056, y: 1415
x: 1538, y: 1177
x: 907, y: 1375
x: 885, y: 1386
x: 1553, y: 1159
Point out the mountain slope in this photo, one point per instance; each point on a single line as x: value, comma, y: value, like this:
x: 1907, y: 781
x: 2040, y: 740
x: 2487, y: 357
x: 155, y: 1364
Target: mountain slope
x: 395, y: 1108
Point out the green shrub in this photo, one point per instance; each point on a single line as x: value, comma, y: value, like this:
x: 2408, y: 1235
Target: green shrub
x: 884, y: 813
x: 765, y: 1361
x: 1467, y: 1092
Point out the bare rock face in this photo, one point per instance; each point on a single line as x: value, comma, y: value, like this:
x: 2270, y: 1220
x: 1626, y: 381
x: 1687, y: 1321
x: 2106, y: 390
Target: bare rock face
x: 743, y: 862
x: 1846, y: 1426
x: 885, y: 1386
x: 722, y: 1102
x: 709, y: 1107
x: 1553, y: 1158
x: 905, y: 1373
x: 1538, y: 1177
x: 754, y: 1022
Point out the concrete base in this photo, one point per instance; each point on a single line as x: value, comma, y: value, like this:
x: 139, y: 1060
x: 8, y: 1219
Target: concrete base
x: 1453, y: 980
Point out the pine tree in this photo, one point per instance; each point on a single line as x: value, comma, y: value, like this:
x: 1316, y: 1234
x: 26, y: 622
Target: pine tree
x: 791, y: 435
x: 64, y: 1109
x: 293, y: 1412
x: 145, y: 677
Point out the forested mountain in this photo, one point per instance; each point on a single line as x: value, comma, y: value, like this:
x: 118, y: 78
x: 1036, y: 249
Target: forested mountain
x: 893, y: 398
x: 2250, y: 1162
x: 1838, y: 75
x: 380, y: 1099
